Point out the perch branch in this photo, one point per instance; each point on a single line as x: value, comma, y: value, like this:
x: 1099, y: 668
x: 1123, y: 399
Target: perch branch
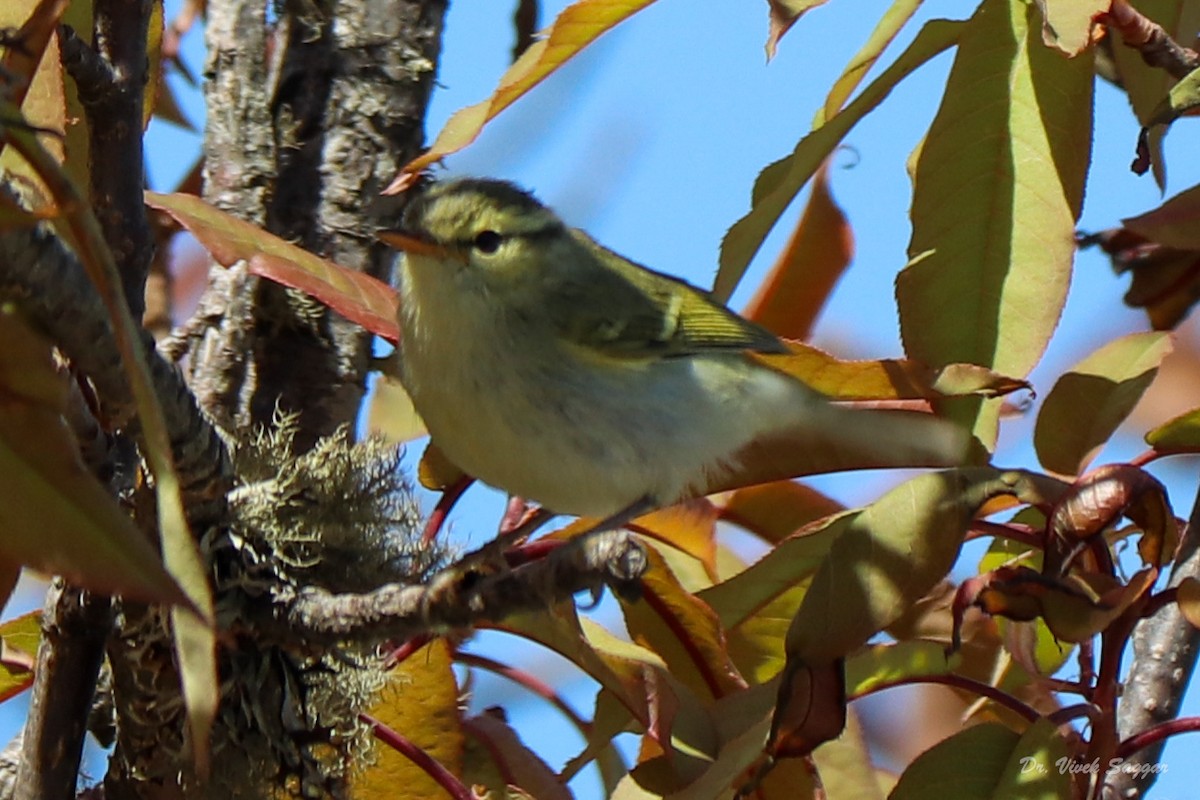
x: 458, y: 598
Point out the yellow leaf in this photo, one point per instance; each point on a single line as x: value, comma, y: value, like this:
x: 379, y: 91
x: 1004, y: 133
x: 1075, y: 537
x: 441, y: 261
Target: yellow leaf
x: 391, y: 414
x: 890, y: 24
x: 575, y: 28
x: 420, y: 702
x: 18, y: 637
x: 32, y: 75
x: 1069, y: 24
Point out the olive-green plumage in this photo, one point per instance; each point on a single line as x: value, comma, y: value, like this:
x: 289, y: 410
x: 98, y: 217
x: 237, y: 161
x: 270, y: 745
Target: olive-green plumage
x: 552, y: 367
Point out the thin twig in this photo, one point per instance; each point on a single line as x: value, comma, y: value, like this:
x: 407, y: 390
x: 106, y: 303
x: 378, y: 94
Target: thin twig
x: 1157, y: 47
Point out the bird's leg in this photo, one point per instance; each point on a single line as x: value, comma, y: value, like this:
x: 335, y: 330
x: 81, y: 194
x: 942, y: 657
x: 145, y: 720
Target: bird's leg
x: 517, y: 514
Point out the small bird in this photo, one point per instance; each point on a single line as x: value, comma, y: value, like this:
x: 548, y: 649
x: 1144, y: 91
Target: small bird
x: 557, y: 370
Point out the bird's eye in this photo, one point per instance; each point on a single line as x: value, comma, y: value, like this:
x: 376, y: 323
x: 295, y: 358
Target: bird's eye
x: 488, y: 242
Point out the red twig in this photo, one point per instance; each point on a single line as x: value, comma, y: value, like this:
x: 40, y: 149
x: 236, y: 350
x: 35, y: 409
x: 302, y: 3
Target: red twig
x: 442, y: 510
x: 528, y: 681
x: 1013, y: 531
x: 407, y: 648
x: 966, y: 684
x: 432, y: 767
x: 1159, y: 732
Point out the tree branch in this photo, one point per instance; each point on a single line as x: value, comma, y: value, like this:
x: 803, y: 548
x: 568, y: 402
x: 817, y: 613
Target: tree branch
x: 115, y: 137
x: 303, y: 144
x: 69, y: 656
x: 1165, y: 647
x: 456, y: 598
x: 46, y: 279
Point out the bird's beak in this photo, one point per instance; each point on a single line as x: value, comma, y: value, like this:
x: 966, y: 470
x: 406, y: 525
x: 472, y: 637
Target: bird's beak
x: 411, y: 244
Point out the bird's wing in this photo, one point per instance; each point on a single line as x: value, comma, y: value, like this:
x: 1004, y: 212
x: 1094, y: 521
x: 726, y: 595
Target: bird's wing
x: 623, y: 310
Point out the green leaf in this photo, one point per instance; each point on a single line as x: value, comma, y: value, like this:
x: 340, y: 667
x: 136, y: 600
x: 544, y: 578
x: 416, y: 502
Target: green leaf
x: 845, y: 767
x: 887, y: 663
x: 989, y: 761
x: 1182, y: 98
x: 793, y: 560
x: 1181, y: 434
x: 20, y: 635
x: 756, y: 642
x: 1068, y: 24
x: 778, y: 184
x: 998, y: 187
x: 1089, y: 401
x: 890, y: 25
x: 890, y: 554
x: 195, y: 640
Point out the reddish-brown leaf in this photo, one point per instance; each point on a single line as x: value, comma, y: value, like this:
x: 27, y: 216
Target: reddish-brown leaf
x: 1165, y: 280
x: 810, y: 708
x: 516, y: 764
x: 1075, y: 607
x: 1097, y: 500
x: 783, y: 16
x: 358, y: 297
x: 818, y: 252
